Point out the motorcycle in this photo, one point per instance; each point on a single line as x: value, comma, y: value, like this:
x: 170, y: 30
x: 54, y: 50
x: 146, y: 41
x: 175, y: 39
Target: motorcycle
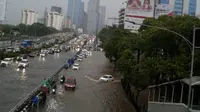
x: 53, y: 91
x: 61, y: 81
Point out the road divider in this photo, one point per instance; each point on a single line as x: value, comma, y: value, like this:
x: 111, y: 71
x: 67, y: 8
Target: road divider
x: 27, y: 103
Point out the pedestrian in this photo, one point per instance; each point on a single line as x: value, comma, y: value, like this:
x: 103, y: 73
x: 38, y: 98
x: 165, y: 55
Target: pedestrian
x: 35, y: 101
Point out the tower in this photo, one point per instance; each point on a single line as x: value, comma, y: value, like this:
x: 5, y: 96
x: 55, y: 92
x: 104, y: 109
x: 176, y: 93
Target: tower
x: 45, y: 15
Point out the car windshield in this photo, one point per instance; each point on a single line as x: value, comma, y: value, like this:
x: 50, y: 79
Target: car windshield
x: 105, y: 76
x: 23, y: 61
x: 6, y: 59
x: 70, y: 81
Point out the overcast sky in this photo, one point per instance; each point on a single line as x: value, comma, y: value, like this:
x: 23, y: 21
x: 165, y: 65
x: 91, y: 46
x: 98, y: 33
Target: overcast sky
x: 14, y: 7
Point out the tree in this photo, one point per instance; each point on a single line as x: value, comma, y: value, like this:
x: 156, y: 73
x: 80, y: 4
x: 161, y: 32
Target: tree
x: 153, y: 55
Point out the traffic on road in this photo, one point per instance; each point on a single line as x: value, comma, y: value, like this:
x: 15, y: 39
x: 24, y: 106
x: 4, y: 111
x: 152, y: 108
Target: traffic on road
x: 84, y: 84
x: 20, y: 77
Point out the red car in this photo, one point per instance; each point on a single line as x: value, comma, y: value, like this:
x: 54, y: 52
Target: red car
x: 70, y: 83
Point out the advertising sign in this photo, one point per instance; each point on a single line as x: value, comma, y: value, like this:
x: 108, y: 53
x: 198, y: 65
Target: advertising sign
x: 137, y: 11
x: 2, y: 9
x: 163, y: 9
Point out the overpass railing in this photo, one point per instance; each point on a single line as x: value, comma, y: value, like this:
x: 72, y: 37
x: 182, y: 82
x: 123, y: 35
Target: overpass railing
x: 24, y: 102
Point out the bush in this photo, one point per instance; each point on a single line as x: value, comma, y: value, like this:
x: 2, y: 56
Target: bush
x: 25, y: 51
x: 11, y: 54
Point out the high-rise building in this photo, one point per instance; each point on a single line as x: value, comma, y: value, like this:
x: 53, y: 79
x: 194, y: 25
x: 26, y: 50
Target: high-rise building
x: 29, y: 17
x: 102, y: 12
x: 121, y: 17
x: 2, y: 9
x: 55, y: 20
x: 73, y: 11
x: 190, y: 7
x: 81, y: 15
x: 93, y: 16
x: 56, y: 9
x: 85, y: 20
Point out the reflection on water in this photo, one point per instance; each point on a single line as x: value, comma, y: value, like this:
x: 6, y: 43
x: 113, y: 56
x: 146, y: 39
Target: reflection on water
x: 41, y: 59
x: 52, y: 106
x: 60, y: 90
x: 56, y: 55
x: 23, y: 75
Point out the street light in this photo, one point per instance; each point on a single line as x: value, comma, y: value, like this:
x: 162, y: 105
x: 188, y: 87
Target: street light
x: 189, y: 44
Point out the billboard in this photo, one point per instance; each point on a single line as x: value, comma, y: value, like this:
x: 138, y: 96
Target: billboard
x: 56, y: 9
x: 137, y: 11
x: 163, y: 9
x: 2, y: 9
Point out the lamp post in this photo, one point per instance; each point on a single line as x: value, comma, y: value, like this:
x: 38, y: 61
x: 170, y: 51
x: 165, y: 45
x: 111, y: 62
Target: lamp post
x: 192, y: 52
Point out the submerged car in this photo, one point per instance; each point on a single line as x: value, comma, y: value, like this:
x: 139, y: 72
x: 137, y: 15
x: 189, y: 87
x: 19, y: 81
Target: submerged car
x: 75, y: 66
x: 6, y: 62
x: 106, y: 78
x: 42, y: 54
x: 70, y: 83
x: 23, y: 63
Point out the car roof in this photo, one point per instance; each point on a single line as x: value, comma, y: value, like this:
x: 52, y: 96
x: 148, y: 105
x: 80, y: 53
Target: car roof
x: 71, y: 78
x: 76, y: 64
x: 24, y: 59
x: 7, y: 58
x: 107, y: 75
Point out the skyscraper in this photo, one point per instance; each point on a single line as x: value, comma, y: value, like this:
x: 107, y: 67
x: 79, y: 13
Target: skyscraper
x: 81, y: 15
x: 102, y: 13
x: 75, y: 11
x: 85, y: 20
x: 93, y: 16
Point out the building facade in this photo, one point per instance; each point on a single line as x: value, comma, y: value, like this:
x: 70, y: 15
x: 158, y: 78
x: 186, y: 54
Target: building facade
x: 29, y: 17
x: 93, y: 16
x: 73, y: 11
x: 102, y: 12
x: 55, y: 20
x: 85, y: 20
x: 81, y: 15
x: 56, y: 9
x: 68, y: 22
x: 190, y: 7
x: 121, y: 17
x: 164, y: 2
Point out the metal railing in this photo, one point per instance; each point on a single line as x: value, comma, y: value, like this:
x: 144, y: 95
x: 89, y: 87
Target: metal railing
x: 36, y: 91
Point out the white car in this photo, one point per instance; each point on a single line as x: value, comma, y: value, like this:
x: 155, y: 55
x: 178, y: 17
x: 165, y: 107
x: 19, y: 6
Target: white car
x: 106, y: 78
x: 42, y: 54
x: 79, y: 59
x: 6, y: 61
x: 75, y: 66
x: 23, y: 63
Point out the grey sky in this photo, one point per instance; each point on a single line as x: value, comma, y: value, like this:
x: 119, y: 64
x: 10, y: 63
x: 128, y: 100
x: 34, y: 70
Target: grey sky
x: 14, y: 7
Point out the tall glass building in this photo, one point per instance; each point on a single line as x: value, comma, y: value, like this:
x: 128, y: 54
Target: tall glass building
x: 192, y: 7
x: 73, y: 11
x: 164, y: 2
x: 178, y: 7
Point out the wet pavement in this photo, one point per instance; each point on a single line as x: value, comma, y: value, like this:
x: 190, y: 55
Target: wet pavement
x: 15, y: 85
x: 90, y: 94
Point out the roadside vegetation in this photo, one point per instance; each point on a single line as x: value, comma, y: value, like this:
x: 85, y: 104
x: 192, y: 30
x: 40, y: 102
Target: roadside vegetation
x: 152, y: 56
x: 9, y: 32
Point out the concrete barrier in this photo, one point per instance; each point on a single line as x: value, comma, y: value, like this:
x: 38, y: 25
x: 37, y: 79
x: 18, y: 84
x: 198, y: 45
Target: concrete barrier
x: 24, y: 102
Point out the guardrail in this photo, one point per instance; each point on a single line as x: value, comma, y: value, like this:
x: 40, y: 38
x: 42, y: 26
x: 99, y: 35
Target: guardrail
x: 23, y: 103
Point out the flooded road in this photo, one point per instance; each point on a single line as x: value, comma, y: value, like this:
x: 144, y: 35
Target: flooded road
x: 15, y: 85
x: 90, y: 94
